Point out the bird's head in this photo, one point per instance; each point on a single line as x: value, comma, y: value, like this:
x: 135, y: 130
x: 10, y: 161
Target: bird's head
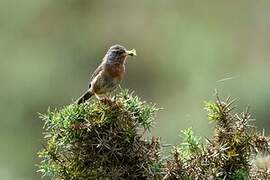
x: 118, y: 54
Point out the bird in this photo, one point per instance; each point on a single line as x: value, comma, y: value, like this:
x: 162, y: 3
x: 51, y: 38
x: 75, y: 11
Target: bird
x: 109, y: 73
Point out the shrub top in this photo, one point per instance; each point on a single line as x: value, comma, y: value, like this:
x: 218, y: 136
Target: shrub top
x: 100, y: 140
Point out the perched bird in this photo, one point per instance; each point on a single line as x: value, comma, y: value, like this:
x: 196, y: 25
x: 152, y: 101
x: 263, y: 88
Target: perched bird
x: 109, y: 74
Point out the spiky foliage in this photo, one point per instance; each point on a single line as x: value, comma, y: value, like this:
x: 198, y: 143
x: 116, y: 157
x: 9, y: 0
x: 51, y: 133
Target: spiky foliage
x: 227, y: 155
x: 101, y: 140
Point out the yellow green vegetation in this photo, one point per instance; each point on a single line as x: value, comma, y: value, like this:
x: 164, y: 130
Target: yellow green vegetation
x: 226, y: 155
x: 104, y: 139
x: 100, y: 140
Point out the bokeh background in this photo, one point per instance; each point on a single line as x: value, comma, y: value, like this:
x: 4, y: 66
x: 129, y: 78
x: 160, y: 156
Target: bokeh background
x: 186, y: 49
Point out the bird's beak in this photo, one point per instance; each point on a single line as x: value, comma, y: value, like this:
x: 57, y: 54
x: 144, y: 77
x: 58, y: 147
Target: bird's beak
x: 131, y: 52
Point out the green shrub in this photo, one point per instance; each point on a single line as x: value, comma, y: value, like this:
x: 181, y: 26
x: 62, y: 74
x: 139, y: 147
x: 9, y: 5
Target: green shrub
x: 104, y: 139
x: 226, y: 155
x: 101, y: 140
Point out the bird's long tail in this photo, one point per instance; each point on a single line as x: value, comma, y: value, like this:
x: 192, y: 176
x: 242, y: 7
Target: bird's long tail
x: 87, y: 95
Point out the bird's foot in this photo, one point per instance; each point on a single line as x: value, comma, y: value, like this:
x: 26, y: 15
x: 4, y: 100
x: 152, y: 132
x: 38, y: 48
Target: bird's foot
x: 107, y: 100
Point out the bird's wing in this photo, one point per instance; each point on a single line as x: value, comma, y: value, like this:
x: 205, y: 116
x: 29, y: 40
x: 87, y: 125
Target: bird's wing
x: 97, y: 71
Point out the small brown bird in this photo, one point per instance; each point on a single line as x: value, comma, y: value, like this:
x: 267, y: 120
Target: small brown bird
x: 109, y: 74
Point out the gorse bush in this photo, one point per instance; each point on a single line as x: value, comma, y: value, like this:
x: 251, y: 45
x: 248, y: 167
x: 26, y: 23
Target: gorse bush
x: 227, y: 155
x: 104, y: 139
x: 101, y: 140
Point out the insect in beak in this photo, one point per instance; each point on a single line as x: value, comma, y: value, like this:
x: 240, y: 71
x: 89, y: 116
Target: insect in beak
x: 132, y: 52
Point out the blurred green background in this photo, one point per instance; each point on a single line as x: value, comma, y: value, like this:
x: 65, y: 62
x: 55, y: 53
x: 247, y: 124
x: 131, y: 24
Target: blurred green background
x: 186, y: 49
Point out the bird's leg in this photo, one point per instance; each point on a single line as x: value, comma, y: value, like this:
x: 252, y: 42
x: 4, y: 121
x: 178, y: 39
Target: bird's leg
x: 106, y: 99
x: 99, y: 98
x: 107, y: 96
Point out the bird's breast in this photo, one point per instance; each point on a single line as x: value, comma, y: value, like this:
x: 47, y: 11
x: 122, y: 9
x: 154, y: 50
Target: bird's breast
x: 115, y: 70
